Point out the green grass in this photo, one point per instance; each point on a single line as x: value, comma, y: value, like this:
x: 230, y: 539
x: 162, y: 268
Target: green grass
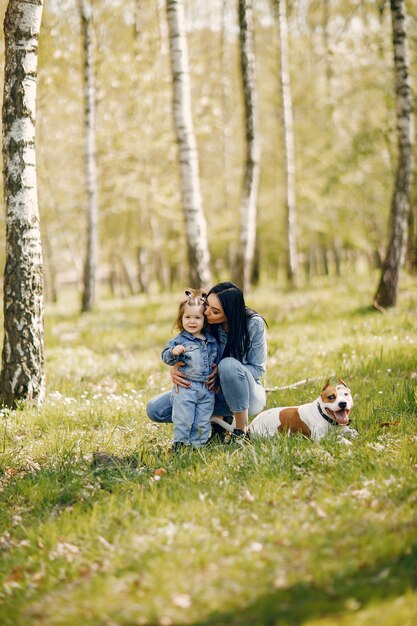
x: 278, y: 532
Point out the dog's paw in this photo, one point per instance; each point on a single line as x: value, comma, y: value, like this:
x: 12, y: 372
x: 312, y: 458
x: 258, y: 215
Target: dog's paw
x: 344, y: 441
x: 352, y: 433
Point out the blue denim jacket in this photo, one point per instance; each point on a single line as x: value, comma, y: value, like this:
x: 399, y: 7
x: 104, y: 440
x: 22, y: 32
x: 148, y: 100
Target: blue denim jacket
x: 199, y: 355
x: 256, y: 355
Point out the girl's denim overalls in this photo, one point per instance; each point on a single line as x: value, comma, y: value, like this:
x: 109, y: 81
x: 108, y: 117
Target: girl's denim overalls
x: 192, y: 407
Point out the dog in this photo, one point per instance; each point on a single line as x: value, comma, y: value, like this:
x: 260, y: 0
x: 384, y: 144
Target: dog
x: 314, y: 419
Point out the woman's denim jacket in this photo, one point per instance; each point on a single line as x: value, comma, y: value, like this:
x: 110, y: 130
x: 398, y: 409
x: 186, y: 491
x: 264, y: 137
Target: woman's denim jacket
x: 199, y: 356
x: 255, y: 357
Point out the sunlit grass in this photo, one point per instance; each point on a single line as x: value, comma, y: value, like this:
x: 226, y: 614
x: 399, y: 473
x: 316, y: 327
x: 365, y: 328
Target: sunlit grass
x: 283, y: 531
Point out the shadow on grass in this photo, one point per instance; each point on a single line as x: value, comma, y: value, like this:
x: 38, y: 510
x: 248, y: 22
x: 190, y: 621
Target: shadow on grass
x: 365, y: 310
x: 293, y: 606
x: 57, y: 488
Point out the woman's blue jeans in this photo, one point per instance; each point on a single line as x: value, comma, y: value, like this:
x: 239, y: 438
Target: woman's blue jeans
x: 239, y: 391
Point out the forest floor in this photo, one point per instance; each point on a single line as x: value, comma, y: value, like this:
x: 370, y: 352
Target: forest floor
x: 279, y: 532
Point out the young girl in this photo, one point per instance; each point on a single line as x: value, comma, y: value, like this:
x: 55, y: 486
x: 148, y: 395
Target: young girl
x: 192, y: 406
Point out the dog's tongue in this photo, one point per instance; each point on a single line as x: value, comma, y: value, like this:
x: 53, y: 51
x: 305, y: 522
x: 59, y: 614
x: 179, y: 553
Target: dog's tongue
x: 342, y: 417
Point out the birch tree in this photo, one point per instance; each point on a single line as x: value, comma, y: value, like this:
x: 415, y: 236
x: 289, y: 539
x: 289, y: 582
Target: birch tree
x: 387, y: 291
x: 195, y: 222
x: 22, y: 374
x: 225, y: 100
x: 249, y: 197
x: 91, y: 258
x: 289, y: 150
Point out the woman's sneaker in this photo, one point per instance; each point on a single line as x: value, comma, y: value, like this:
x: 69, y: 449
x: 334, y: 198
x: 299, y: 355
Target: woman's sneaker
x: 239, y: 434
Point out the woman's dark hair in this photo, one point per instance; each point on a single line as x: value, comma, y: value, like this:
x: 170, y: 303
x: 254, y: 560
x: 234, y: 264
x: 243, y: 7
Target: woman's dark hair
x: 237, y: 313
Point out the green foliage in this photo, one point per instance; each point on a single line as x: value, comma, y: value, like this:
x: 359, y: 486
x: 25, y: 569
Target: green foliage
x: 100, y: 525
x: 344, y: 119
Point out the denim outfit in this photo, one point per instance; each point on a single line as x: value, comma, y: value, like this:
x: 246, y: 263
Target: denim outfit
x: 192, y: 407
x: 240, y: 383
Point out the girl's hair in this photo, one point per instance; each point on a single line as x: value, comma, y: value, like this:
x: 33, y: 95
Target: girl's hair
x: 237, y: 314
x: 194, y: 297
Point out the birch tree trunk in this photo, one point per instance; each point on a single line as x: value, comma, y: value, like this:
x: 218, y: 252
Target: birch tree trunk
x: 91, y: 258
x: 225, y: 100
x: 326, y: 43
x: 289, y: 150
x: 387, y: 291
x: 195, y: 222
x: 22, y: 374
x: 412, y: 241
x: 249, y: 198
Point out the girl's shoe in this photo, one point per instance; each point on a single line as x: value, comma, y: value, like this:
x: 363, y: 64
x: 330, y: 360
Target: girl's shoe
x: 177, y: 446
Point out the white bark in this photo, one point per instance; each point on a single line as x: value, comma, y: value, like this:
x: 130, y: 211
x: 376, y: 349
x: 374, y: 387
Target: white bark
x: 91, y: 259
x: 195, y: 222
x: 386, y: 294
x: 22, y: 375
x: 289, y: 150
x: 249, y: 198
x: 225, y: 98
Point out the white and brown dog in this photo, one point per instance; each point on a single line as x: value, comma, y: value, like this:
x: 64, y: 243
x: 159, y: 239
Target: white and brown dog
x: 314, y: 420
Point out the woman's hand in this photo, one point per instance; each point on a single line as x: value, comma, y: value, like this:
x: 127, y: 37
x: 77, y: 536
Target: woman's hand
x: 211, y: 380
x: 178, y: 378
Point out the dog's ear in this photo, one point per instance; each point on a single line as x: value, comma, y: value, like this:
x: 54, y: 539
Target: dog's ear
x: 326, y: 384
x: 342, y: 382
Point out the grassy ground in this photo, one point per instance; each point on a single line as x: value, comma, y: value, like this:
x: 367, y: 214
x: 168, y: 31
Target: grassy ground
x: 273, y: 533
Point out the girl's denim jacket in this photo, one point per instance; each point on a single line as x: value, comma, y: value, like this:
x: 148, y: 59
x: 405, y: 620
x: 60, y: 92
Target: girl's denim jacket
x: 199, y: 356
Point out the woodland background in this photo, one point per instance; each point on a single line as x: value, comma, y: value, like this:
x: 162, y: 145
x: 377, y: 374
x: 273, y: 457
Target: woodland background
x: 99, y: 524
x: 344, y: 124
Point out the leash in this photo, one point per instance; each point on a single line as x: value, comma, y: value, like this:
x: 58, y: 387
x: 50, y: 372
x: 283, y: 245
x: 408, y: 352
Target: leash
x: 294, y: 385
x: 221, y: 422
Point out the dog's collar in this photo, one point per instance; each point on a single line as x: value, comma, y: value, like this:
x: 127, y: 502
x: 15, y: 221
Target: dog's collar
x: 326, y: 417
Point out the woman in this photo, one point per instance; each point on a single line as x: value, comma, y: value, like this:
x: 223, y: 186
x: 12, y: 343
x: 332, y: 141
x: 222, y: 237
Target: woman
x: 241, y: 336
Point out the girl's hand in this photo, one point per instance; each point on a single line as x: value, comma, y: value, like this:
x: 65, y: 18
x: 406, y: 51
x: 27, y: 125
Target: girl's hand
x: 211, y: 380
x: 178, y: 378
x: 176, y: 350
